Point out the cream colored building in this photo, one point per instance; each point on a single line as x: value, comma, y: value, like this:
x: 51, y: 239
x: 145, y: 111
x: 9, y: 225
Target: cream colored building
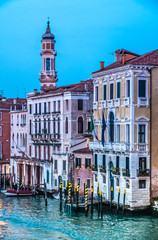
x: 122, y: 91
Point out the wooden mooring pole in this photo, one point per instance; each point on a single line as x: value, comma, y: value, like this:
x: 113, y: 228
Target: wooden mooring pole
x: 101, y: 204
x: 45, y: 193
x: 111, y: 197
x: 118, y: 200
x: 60, y: 189
x: 124, y: 197
x: 0, y: 181
x: 92, y: 198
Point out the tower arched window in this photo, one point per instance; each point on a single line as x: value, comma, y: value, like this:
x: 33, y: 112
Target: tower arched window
x: 80, y: 125
x: 111, y: 121
x: 66, y: 125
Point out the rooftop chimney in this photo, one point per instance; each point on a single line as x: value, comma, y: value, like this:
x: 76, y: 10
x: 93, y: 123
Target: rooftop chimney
x: 101, y: 65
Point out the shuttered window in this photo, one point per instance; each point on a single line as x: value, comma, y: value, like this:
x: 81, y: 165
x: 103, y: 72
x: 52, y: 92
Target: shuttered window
x: 104, y: 92
x: 118, y: 90
x: 78, y: 162
x: 142, y: 88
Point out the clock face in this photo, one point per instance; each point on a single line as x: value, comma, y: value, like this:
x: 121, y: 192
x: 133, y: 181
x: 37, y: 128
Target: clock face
x: 47, y: 64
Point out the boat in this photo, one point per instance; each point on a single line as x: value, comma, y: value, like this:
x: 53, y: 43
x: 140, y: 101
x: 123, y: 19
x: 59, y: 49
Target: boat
x: 15, y: 193
x: 56, y: 196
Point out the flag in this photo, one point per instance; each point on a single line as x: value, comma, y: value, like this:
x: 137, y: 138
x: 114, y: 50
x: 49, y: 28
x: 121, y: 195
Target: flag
x: 92, y: 129
x: 103, y: 130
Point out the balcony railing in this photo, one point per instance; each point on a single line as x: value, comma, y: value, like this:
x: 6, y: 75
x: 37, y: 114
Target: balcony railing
x: 143, y: 172
x: 95, y: 105
x: 110, y: 103
x: 126, y: 172
x: 94, y: 168
x: 55, y: 170
x: 126, y: 101
x: 116, y: 171
x: 108, y: 146
x: 103, y: 170
x: 45, y: 113
x: 56, y: 112
x: 117, y: 102
x: 46, y: 136
x: 103, y: 104
x: 143, y: 101
x: 142, y: 146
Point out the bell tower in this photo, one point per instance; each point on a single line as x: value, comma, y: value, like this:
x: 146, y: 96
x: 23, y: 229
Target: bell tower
x: 48, y: 75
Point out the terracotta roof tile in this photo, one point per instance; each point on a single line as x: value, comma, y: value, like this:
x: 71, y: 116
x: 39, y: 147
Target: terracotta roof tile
x: 150, y: 59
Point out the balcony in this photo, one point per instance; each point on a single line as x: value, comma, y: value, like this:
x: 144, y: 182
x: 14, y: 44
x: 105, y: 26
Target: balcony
x: 36, y: 114
x: 126, y: 101
x: 110, y: 103
x: 103, y: 104
x: 56, y: 112
x: 143, y: 172
x: 64, y: 172
x: 143, y: 101
x: 117, y: 102
x: 108, y: 146
x: 95, y: 105
x: 116, y: 171
x: 56, y: 171
x: 103, y: 170
x: 46, y: 113
x: 142, y: 147
x: 94, y: 168
x: 125, y: 172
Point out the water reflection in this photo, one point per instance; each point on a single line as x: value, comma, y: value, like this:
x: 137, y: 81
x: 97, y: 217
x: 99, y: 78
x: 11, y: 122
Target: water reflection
x: 28, y: 218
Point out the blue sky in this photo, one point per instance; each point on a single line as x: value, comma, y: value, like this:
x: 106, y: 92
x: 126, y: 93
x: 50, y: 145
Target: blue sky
x: 86, y: 31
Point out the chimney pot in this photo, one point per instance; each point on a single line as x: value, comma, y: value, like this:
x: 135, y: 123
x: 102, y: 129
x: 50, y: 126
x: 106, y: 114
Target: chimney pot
x: 101, y: 65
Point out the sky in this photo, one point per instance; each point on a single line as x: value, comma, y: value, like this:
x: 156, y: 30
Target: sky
x: 86, y: 32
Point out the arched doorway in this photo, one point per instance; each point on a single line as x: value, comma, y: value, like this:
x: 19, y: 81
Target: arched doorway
x: 111, y: 181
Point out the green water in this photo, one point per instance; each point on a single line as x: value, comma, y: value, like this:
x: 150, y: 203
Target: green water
x: 28, y: 218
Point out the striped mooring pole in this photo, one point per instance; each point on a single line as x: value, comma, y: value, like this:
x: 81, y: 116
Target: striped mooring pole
x: 118, y: 200
x: 18, y: 185
x: 92, y: 198
x: 86, y: 200
x: 45, y: 192
x: 69, y: 193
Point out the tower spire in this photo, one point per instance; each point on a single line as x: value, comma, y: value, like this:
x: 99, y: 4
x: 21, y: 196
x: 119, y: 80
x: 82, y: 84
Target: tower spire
x: 48, y: 75
x: 48, y: 27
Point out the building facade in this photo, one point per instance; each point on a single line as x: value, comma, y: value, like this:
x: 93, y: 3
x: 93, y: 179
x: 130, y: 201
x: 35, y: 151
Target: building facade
x: 18, y: 150
x: 58, y: 120
x: 83, y: 159
x: 122, y: 92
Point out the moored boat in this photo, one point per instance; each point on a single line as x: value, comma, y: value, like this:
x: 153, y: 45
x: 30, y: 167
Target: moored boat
x: 15, y: 193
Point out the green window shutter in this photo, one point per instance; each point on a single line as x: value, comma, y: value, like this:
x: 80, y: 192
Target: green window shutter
x: 104, y: 92
x: 47, y: 176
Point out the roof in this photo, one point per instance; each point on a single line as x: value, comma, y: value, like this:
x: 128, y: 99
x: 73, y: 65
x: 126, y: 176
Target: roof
x: 6, y: 103
x: 83, y: 150
x: 124, y: 51
x: 83, y: 86
x: 48, y: 34
x: 149, y: 59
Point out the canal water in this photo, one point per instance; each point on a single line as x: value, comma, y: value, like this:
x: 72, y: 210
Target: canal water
x: 28, y: 218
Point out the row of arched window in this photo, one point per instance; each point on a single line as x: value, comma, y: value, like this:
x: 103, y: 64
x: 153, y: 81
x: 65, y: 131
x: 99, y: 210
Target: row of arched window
x: 20, y: 141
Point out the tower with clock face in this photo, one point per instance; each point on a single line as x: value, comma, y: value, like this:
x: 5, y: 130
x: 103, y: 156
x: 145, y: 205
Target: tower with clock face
x: 48, y: 75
